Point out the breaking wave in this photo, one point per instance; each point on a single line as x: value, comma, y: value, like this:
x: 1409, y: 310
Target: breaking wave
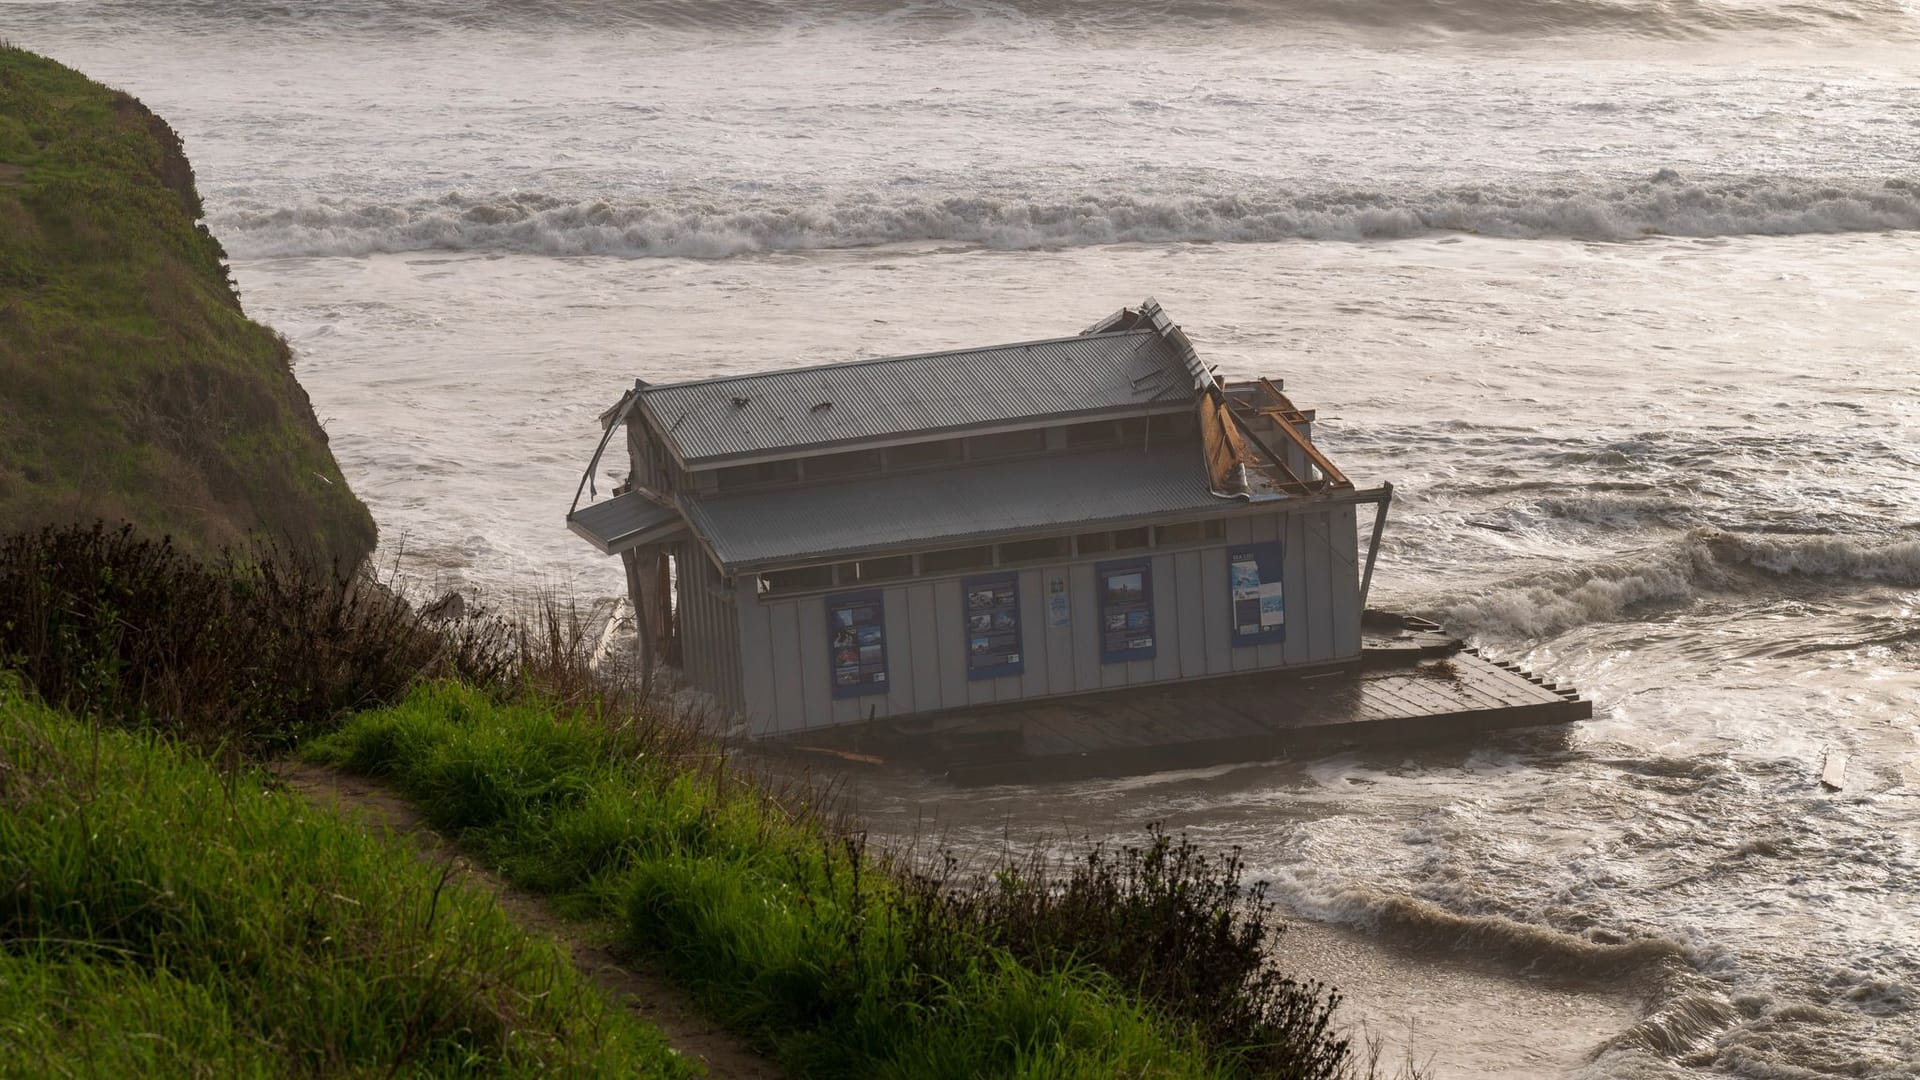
x: 1705, y: 559
x: 712, y: 227
x: 1682, y: 1025
x: 1526, y: 946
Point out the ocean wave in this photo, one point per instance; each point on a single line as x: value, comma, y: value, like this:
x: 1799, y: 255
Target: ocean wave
x: 1500, y: 18
x: 1492, y: 938
x: 711, y: 226
x: 1611, y: 509
x: 1682, y: 1025
x: 1704, y: 560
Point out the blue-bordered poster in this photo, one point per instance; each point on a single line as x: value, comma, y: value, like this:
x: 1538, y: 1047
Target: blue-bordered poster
x: 1126, y: 610
x: 1254, y: 573
x: 993, y: 626
x: 857, y: 643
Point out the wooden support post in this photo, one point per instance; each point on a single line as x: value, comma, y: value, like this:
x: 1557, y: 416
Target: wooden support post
x: 637, y: 591
x: 668, y: 626
x: 1373, y: 546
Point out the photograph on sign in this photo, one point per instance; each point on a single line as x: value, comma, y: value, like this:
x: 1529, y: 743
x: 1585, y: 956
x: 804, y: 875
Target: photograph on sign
x: 856, y: 627
x: 1258, y: 597
x: 993, y: 626
x: 1126, y: 610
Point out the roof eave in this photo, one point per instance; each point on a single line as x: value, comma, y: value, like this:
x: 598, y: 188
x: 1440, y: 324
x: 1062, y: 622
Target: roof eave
x: 1230, y: 507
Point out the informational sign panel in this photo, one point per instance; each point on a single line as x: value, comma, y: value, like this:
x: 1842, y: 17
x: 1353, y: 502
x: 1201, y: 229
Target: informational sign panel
x: 1255, y: 573
x: 857, y: 643
x: 1059, y: 603
x: 993, y: 626
x: 1126, y: 610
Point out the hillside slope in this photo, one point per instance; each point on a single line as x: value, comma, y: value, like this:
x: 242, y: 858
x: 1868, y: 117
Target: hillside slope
x: 132, y: 385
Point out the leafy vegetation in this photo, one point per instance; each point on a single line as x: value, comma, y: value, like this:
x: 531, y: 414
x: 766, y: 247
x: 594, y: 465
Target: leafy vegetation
x: 160, y: 918
x: 1145, y: 963
x: 779, y: 927
x: 132, y: 386
x: 1142, y: 961
x: 1165, y: 918
x: 223, y: 652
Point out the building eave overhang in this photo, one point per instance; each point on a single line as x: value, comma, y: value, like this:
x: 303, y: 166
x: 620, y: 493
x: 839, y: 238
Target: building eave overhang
x: 1228, y: 508
x: 626, y: 522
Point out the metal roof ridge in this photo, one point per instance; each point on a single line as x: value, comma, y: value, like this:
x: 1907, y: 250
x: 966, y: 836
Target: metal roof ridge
x: 1159, y: 398
x: 1168, y: 449
x: 650, y: 388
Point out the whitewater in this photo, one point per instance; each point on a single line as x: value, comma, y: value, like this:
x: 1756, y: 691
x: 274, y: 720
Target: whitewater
x: 1619, y: 294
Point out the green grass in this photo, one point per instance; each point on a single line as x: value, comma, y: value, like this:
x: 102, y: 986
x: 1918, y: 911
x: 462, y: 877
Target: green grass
x: 784, y: 930
x: 160, y: 918
x: 132, y: 385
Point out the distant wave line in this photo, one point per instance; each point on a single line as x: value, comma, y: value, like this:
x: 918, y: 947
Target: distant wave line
x: 1503, y: 18
x: 709, y: 227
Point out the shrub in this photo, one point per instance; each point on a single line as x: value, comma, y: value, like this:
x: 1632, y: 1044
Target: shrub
x: 241, y: 652
x: 1164, y: 918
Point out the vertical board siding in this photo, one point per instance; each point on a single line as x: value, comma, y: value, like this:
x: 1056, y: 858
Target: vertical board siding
x: 721, y: 612
x: 1297, y: 646
x: 819, y: 706
x: 788, y: 706
x: 1086, y: 632
x: 923, y: 658
x: 758, y: 680
x: 1170, y: 612
x: 1346, y: 582
x: 710, y: 643
x: 1193, y: 614
x: 1032, y: 682
x: 949, y: 633
x: 1215, y: 608
x: 901, y: 656
x: 770, y: 657
x: 1319, y: 586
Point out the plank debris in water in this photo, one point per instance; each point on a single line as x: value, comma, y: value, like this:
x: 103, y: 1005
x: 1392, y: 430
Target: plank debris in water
x: 1833, y: 774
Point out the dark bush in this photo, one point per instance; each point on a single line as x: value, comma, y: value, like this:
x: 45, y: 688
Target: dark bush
x: 1165, y: 919
x: 245, y: 652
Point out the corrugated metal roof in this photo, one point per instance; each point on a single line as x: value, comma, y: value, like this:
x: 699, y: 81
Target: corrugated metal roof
x: 750, y: 414
x: 953, y: 506
x: 623, y: 522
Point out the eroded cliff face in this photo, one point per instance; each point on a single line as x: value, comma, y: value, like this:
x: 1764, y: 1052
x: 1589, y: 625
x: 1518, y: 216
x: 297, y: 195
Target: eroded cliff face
x: 132, y: 385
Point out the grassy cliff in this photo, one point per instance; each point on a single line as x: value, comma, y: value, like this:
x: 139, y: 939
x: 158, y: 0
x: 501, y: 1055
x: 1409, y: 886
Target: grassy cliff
x: 165, y: 919
x: 132, y: 385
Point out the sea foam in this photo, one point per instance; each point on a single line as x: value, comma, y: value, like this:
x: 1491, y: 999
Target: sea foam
x: 1704, y: 559
x: 711, y: 225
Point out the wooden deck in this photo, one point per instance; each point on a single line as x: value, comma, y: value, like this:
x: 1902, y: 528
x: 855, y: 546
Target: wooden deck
x: 1402, y: 694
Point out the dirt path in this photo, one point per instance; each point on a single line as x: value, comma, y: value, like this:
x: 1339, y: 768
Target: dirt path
x: 725, y: 1055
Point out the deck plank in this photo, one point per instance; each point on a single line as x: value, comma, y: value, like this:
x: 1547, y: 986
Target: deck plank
x: 1237, y: 717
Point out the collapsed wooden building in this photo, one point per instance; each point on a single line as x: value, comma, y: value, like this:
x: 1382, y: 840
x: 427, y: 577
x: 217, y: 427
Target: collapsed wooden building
x: 900, y: 536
